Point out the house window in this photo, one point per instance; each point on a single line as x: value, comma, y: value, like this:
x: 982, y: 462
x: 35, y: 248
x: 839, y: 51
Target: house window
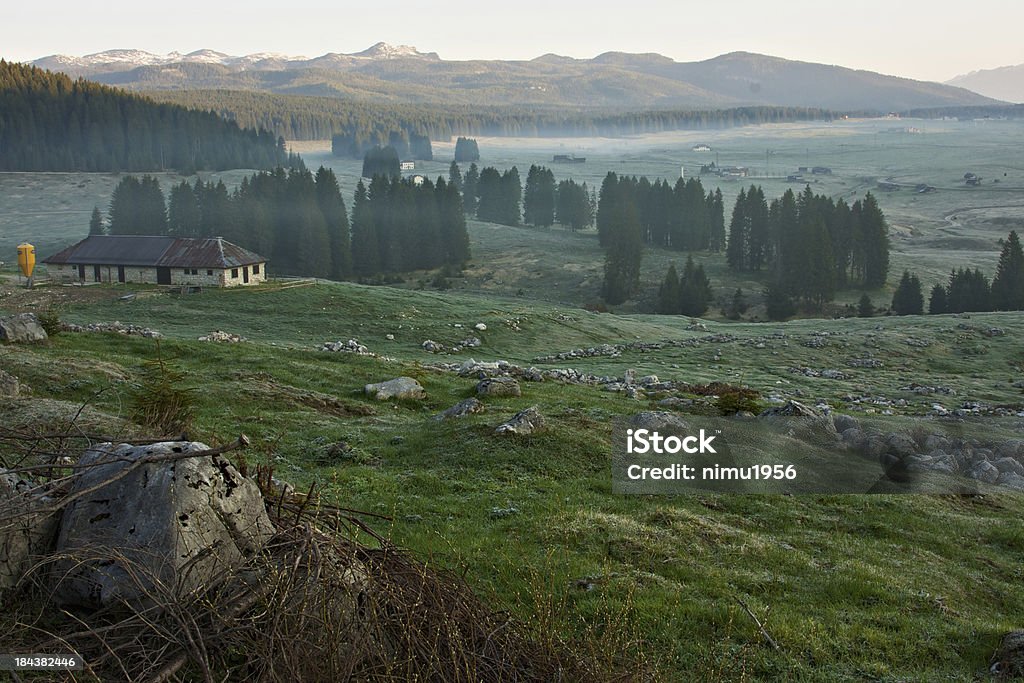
x: 209, y: 272
x: 234, y: 273
x: 256, y: 269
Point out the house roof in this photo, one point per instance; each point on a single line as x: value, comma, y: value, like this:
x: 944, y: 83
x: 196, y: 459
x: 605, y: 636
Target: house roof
x: 156, y: 251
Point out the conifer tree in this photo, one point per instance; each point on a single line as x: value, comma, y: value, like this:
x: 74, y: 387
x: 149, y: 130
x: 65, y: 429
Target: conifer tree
x: 470, y: 190
x: 455, y: 176
x: 332, y: 208
x: 96, y: 226
x: 938, y: 301
x: 668, y: 293
x: 184, y: 217
x: 694, y: 290
x: 908, y: 299
x: 865, y: 308
x: 1008, y: 283
x: 365, y: 255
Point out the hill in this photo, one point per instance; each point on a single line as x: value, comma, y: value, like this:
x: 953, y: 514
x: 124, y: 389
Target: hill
x: 532, y: 521
x: 50, y: 123
x: 1005, y: 83
x: 403, y: 74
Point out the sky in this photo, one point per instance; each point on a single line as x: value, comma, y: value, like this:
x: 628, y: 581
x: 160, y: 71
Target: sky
x: 923, y: 40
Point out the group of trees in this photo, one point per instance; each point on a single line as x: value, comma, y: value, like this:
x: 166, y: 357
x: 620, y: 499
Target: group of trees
x: 498, y: 195
x: 969, y: 290
x: 809, y: 244
x: 399, y: 225
x: 466, y: 149
x: 382, y: 161
x: 631, y: 212
x: 406, y: 143
x: 50, y: 123
x: 298, y: 220
x: 689, y: 295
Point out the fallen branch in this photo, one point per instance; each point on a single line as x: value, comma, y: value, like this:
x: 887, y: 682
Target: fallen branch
x: 764, y: 632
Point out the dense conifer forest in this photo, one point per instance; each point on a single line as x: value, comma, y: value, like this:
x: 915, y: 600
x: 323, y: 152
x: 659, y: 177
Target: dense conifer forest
x: 50, y: 123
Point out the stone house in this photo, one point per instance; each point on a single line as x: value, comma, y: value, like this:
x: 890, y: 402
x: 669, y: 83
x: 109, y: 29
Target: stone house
x: 200, y: 261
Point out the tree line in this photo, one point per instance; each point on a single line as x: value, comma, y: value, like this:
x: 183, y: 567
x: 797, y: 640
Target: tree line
x: 319, y: 118
x: 298, y: 220
x: 49, y: 122
x: 407, y: 144
x: 809, y: 244
x: 968, y: 290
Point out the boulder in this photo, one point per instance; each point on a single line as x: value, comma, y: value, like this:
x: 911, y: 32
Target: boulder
x: 9, y: 385
x: 173, y: 526
x: 1014, y: 448
x: 1011, y: 480
x: 498, y: 386
x: 817, y: 421
x: 23, y: 328
x: 1008, y: 660
x: 28, y: 536
x: 844, y: 422
x: 983, y: 471
x: 522, y: 423
x: 1009, y: 465
x: 900, y: 445
x: 659, y: 421
x: 400, y: 388
x: 461, y: 409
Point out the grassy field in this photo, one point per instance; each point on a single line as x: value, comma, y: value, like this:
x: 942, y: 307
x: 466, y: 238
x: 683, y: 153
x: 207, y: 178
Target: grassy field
x: 885, y: 588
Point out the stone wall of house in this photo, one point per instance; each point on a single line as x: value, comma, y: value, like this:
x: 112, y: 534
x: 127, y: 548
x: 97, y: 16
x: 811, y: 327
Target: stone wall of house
x: 202, y: 277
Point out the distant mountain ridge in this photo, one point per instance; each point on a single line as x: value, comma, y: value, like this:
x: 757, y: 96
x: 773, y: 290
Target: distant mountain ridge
x: 390, y: 73
x: 1003, y: 83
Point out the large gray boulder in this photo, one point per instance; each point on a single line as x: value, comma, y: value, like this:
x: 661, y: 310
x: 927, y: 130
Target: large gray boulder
x: 29, y: 532
x: 23, y: 328
x: 9, y: 385
x: 984, y: 471
x: 169, y: 528
x: 495, y: 387
x: 400, y: 388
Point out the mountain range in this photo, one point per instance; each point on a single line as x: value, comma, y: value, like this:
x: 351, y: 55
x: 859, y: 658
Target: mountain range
x: 387, y: 73
x: 1004, y: 83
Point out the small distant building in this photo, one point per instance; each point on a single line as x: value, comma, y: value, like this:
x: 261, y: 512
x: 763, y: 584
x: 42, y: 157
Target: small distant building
x: 803, y: 169
x: 821, y: 170
x: 418, y: 179
x: 795, y: 178
x: 734, y: 172
x: 568, y: 159
x: 160, y: 260
x: 702, y: 148
x: 888, y: 186
x: 924, y: 188
x: 407, y: 165
x: 972, y: 179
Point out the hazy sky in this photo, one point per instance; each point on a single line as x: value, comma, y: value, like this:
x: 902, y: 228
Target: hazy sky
x: 926, y: 40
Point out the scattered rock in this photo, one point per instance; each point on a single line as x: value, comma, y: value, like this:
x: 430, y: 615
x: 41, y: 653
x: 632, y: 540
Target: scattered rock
x: 471, y: 343
x: 23, y: 328
x: 498, y: 513
x: 223, y: 337
x: 400, y: 388
x: 498, y: 386
x: 1009, y: 466
x: 480, y: 327
x: 431, y: 346
x: 116, y: 326
x: 175, y: 525
x: 1011, y: 480
x: 522, y: 423
x: 461, y: 409
x: 10, y: 387
x: 1008, y: 661
x: 350, y: 346
x: 844, y: 422
x: 659, y: 421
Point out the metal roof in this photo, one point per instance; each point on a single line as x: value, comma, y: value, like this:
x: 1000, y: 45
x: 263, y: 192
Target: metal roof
x: 156, y: 251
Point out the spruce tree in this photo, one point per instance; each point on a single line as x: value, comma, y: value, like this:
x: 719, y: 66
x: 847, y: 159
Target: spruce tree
x: 365, y: 254
x: 332, y: 208
x: 908, y: 299
x: 470, y: 190
x: 1008, y: 283
x: 938, y: 301
x: 96, y: 226
x: 694, y: 290
x: 668, y: 293
x: 778, y: 303
x: 865, y: 308
x: 184, y: 216
x: 455, y: 176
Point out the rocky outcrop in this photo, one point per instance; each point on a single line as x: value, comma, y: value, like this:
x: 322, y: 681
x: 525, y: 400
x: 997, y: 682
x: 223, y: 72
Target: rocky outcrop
x: 659, y: 421
x: 173, y: 524
x: 461, y: 409
x: 10, y: 387
x: 23, y: 328
x: 400, y: 388
x: 522, y: 423
x: 494, y: 387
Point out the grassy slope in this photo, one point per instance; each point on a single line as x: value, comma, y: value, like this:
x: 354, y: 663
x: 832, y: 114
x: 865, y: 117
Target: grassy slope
x: 852, y: 588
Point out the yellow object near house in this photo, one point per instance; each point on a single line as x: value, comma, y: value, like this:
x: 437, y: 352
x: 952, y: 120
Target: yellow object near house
x: 26, y: 258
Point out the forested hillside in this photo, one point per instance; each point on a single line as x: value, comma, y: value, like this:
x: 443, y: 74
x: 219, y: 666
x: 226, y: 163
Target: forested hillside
x: 50, y: 123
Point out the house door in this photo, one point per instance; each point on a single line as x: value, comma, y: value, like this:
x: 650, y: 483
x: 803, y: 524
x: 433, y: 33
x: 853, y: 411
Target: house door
x: 245, y: 275
x: 163, y: 276
x: 120, y: 273
x: 96, y: 275
x: 81, y: 273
